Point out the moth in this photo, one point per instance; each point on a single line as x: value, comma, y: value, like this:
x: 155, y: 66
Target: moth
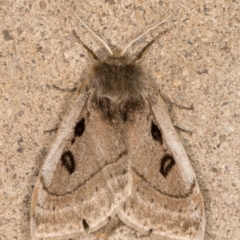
x: 117, y: 154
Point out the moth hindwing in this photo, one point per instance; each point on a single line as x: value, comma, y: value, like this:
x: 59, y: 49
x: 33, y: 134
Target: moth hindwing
x: 118, y: 155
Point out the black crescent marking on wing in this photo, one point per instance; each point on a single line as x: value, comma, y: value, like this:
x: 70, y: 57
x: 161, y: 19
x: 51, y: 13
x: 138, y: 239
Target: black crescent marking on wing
x: 167, y: 163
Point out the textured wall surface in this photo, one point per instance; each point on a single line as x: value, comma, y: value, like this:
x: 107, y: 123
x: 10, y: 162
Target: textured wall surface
x: 196, y: 62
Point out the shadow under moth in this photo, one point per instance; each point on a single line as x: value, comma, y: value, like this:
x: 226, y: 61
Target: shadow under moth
x: 117, y: 154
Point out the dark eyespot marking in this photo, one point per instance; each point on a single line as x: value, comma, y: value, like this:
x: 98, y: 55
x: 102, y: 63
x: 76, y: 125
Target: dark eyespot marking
x: 79, y: 128
x: 68, y: 162
x: 166, y: 165
x: 85, y: 225
x: 156, y: 133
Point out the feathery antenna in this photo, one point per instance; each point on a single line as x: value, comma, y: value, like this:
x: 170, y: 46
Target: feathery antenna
x: 100, y: 39
x: 150, y: 29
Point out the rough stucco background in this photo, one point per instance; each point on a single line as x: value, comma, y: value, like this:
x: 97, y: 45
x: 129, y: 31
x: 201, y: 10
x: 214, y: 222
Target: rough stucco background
x: 197, y: 63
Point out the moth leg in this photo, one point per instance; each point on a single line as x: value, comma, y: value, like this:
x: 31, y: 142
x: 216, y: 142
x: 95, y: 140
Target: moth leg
x: 171, y: 105
x: 183, y: 130
x: 51, y: 130
x: 74, y: 89
x: 169, y: 102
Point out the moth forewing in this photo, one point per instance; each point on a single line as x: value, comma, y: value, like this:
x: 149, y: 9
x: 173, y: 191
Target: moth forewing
x: 65, y: 202
x: 166, y: 201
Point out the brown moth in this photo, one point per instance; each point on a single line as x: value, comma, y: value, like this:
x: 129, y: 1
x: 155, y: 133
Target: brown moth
x: 117, y: 153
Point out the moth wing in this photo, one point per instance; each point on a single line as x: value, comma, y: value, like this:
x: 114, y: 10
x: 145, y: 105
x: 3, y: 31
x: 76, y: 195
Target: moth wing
x: 84, y: 178
x: 165, y: 201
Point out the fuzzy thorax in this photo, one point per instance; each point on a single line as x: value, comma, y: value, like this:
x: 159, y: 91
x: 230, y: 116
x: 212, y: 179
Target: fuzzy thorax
x: 119, y: 79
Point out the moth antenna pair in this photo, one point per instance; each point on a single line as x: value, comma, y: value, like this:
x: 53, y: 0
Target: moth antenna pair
x: 128, y: 46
